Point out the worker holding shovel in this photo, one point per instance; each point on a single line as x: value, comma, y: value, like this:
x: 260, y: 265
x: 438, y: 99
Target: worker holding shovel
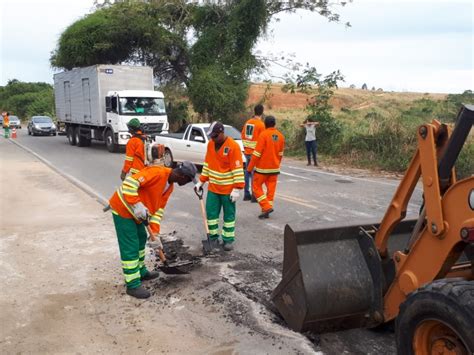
x: 141, y: 200
x: 223, y: 169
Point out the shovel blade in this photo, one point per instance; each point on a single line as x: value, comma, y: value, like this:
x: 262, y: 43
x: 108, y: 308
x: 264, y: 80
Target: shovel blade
x: 176, y: 269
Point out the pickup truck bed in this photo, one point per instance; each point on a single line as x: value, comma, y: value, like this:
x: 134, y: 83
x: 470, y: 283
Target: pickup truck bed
x: 192, y: 144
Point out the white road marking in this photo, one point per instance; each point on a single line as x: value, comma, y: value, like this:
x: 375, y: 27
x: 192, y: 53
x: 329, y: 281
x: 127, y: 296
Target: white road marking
x: 347, y: 177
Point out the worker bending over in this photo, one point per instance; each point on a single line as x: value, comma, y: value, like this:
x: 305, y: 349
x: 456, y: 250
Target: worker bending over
x: 266, y: 160
x: 250, y: 133
x: 223, y: 169
x: 143, y: 197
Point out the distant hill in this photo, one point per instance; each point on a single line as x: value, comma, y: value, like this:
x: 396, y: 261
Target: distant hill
x: 291, y: 106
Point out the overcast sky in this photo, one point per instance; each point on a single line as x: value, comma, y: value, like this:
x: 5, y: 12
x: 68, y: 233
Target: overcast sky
x: 402, y: 45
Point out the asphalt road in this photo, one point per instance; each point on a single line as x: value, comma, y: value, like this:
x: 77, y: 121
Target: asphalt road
x: 307, y: 197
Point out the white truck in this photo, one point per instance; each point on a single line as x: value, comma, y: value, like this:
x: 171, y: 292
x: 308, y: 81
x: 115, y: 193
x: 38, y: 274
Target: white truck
x: 97, y: 102
x: 192, y: 144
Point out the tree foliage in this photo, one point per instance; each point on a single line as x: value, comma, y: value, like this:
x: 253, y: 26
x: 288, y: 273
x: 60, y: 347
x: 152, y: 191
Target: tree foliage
x: 203, y: 46
x: 27, y: 99
x: 319, y: 108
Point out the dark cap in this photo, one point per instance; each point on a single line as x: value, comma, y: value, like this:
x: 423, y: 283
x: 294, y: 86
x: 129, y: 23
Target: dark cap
x: 188, y: 169
x: 215, y: 129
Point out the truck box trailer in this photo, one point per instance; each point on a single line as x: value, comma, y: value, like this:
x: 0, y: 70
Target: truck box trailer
x: 97, y: 102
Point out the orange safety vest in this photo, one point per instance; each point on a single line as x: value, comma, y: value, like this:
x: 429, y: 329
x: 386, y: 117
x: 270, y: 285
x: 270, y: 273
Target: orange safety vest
x: 149, y: 186
x: 6, y: 121
x: 266, y: 158
x: 224, y: 168
x: 134, y: 156
x: 250, y: 133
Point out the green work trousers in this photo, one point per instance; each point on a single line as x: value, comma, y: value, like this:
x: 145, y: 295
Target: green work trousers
x: 214, y: 203
x: 131, y: 239
x: 6, y: 132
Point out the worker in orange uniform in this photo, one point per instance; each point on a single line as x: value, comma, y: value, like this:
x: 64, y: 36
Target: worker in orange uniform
x: 250, y: 133
x: 143, y: 197
x: 135, y: 150
x: 223, y: 169
x: 6, y: 124
x: 266, y: 160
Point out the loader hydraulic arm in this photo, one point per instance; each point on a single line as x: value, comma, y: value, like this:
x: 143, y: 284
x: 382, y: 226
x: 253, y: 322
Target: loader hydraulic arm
x: 436, y: 246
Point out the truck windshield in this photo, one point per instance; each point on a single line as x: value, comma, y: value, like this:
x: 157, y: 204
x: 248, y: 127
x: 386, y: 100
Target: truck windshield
x: 142, y: 106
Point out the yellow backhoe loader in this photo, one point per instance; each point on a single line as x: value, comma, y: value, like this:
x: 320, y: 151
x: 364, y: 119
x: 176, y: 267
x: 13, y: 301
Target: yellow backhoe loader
x: 418, y: 273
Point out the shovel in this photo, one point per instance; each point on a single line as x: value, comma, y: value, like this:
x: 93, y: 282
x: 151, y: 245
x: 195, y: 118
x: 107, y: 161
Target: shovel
x: 206, y: 244
x: 167, y: 268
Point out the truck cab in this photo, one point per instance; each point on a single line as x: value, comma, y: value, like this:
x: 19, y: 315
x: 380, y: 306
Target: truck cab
x: 148, y: 106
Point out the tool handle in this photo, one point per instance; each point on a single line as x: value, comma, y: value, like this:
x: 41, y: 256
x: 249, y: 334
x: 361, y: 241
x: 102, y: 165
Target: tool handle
x: 203, y: 212
x: 199, y: 193
x: 153, y: 237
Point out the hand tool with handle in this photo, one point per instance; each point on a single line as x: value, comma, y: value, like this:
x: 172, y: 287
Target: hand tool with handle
x: 167, y: 268
x: 206, y: 244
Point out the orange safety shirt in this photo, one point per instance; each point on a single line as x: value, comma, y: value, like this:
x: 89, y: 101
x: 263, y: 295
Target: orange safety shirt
x: 224, y: 168
x: 150, y: 186
x: 134, y: 155
x: 266, y: 158
x: 250, y: 133
x: 6, y: 121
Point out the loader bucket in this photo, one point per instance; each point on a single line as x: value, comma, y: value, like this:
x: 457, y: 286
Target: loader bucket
x: 332, y: 278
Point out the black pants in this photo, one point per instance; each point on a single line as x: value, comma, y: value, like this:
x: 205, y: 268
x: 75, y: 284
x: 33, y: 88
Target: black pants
x: 311, y: 149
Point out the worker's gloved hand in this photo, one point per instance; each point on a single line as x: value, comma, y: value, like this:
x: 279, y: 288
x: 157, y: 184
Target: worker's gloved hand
x: 140, y: 211
x: 234, y: 195
x: 198, y: 187
x: 123, y: 175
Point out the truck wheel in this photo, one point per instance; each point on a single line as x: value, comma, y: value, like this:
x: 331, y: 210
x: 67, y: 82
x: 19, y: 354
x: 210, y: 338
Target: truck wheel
x: 78, y: 137
x: 109, y: 142
x: 168, y: 158
x: 437, y: 319
x: 71, y: 136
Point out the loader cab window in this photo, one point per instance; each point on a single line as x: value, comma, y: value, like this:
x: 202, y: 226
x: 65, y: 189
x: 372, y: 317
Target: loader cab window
x: 142, y: 106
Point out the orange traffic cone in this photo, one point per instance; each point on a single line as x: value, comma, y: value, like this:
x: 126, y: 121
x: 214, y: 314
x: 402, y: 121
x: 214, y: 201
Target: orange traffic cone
x: 13, y: 132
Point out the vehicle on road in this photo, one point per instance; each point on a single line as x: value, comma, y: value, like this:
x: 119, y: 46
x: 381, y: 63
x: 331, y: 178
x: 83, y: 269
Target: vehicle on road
x: 416, y: 272
x: 192, y: 144
x: 41, y: 126
x: 15, y: 122
x: 97, y: 102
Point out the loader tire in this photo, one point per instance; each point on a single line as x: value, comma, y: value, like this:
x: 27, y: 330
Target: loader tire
x: 436, y: 319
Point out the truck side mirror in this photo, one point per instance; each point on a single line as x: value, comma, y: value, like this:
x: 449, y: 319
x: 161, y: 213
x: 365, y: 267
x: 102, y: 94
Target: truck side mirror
x: 108, y: 104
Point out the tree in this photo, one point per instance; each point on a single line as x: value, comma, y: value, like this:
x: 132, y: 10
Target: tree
x: 364, y: 86
x: 184, y: 41
x: 27, y: 99
x: 319, y: 107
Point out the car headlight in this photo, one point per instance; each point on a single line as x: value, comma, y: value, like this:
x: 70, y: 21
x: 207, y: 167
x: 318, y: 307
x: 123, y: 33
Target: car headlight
x: 37, y: 126
x: 53, y: 126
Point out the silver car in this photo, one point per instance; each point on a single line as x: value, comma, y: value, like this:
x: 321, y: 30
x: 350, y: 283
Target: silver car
x: 41, y: 125
x: 15, y: 122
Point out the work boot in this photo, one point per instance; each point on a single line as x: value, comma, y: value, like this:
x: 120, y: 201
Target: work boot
x: 150, y: 275
x: 309, y: 163
x: 253, y: 200
x: 247, y: 197
x: 228, y: 246
x: 265, y: 214
x: 316, y: 163
x: 140, y: 292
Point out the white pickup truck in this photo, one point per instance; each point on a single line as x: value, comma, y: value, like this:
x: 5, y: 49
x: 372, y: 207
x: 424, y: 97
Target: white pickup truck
x: 192, y: 144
